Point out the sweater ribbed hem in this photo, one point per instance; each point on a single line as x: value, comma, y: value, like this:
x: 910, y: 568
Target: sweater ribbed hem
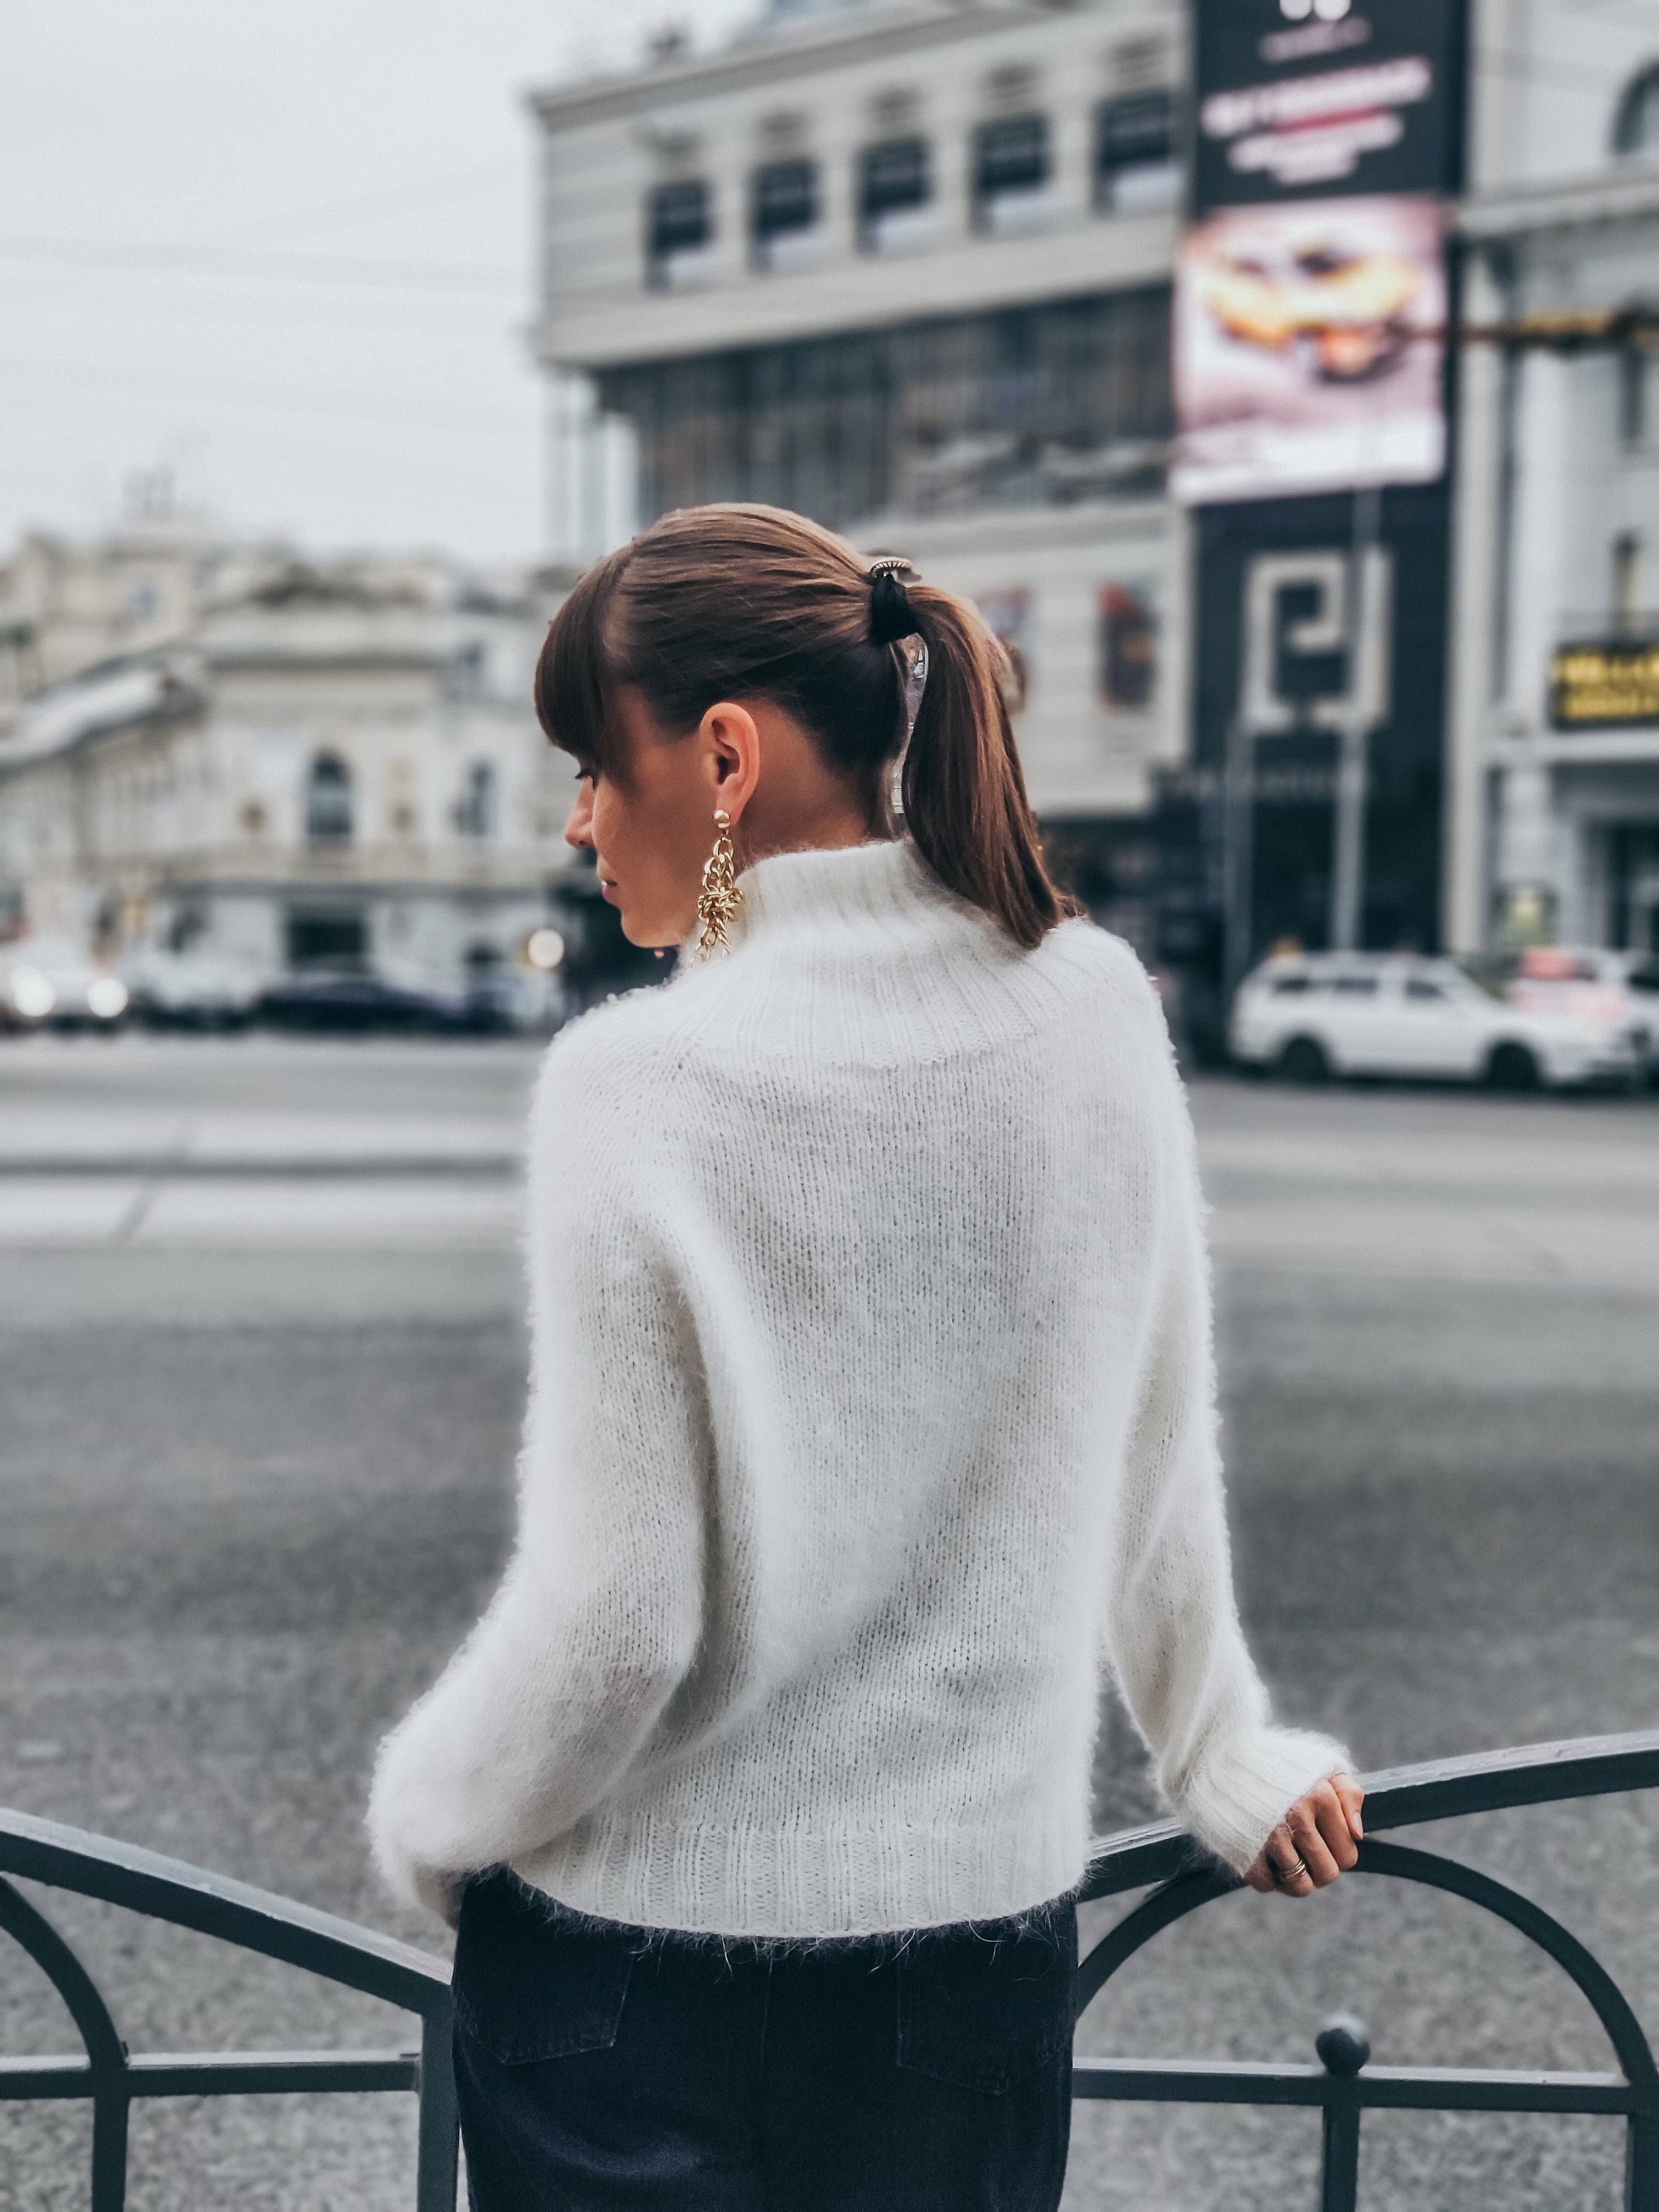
x: 750, y: 1881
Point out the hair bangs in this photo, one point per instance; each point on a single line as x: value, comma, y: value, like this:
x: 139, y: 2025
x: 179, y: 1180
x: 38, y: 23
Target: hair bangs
x: 573, y: 678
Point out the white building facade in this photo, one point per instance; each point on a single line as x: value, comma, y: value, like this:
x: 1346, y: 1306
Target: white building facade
x: 330, y: 766
x: 1553, y: 754
x: 904, y: 267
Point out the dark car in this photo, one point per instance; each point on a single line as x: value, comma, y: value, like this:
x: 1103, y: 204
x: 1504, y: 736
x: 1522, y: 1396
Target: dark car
x: 351, y: 999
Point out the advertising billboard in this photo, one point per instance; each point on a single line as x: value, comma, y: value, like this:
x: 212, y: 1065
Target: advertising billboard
x: 1309, y: 348
x: 1312, y: 373
x: 1310, y: 294
x: 1295, y: 101
x: 1605, y: 684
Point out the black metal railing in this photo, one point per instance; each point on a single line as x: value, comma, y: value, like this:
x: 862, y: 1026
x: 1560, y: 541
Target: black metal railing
x: 1342, y: 2086
x: 254, y: 1920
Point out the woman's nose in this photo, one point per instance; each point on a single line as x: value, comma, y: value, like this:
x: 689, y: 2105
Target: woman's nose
x: 578, y: 829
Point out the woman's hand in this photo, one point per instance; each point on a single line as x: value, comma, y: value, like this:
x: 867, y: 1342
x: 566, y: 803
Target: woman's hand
x: 1317, y: 1839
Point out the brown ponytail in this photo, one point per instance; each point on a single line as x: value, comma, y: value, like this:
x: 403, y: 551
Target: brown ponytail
x: 965, y: 792
x: 751, y: 602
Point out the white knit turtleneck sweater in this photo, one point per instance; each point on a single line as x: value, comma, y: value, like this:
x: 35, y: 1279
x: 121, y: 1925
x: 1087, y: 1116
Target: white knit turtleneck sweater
x: 872, y: 1421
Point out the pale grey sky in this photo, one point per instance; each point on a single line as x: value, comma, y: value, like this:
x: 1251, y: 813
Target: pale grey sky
x: 227, y: 137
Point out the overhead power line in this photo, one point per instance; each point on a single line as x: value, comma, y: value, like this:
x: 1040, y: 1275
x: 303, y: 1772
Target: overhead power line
x: 292, y: 399
x: 282, y: 268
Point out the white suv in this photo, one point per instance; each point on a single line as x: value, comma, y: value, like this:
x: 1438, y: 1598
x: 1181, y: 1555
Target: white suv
x: 1308, y: 1016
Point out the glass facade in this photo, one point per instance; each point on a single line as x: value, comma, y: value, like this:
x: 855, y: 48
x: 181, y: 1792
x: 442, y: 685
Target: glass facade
x: 1023, y: 406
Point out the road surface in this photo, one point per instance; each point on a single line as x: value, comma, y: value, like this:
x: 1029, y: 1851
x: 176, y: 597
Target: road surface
x: 261, y: 1367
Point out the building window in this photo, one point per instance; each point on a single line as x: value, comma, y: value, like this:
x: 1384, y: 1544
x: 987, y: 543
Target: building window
x: 468, y: 670
x: 475, y: 814
x: 783, y: 212
x: 1635, y: 125
x: 1129, y: 644
x: 1633, y: 394
x: 1135, y: 159
x: 1626, y: 581
x: 328, y: 801
x: 679, y: 229
x: 1011, y: 171
x: 893, y: 190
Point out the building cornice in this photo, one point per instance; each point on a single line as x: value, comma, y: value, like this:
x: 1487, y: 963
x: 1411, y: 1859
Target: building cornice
x: 1629, y: 193
x: 282, y: 660
x: 1016, y: 529
x: 1104, y: 254
x: 515, y: 870
x: 782, y: 56
x: 179, y: 703
x: 1587, y: 749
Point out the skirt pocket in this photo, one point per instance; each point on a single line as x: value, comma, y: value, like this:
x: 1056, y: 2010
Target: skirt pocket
x: 532, y: 1979
x: 984, y: 2007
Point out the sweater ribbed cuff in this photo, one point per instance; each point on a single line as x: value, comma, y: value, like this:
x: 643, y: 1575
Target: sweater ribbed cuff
x: 1240, y: 1792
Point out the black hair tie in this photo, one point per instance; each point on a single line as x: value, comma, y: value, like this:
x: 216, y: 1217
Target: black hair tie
x: 890, y: 617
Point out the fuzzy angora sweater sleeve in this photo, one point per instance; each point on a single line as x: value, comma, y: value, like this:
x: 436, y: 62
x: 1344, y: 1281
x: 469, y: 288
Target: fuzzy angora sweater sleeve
x: 597, y: 1618
x: 1173, y: 1634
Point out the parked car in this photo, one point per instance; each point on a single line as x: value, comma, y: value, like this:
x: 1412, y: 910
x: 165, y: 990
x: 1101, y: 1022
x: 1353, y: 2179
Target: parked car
x: 1618, y: 989
x: 354, y: 999
x: 1308, y: 1016
x: 50, y: 983
x: 192, y: 990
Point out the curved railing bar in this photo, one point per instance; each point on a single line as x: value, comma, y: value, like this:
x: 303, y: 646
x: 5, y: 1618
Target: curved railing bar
x: 106, y: 2055
x: 1608, y: 2001
x: 28, y: 1926
x: 255, y: 1919
x: 362, y: 1959
x: 1200, y: 1885
x: 417, y: 1981
x: 1188, y: 1892
x: 1402, y: 1796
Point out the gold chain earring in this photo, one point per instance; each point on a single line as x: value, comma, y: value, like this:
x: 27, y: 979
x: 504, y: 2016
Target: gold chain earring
x: 720, y: 898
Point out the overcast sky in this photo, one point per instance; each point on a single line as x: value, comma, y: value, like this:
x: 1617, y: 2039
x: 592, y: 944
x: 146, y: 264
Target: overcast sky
x: 239, y: 140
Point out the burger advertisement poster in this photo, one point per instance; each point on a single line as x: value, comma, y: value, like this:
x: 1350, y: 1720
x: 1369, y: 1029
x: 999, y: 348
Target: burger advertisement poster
x: 1309, y: 348
x: 1310, y: 295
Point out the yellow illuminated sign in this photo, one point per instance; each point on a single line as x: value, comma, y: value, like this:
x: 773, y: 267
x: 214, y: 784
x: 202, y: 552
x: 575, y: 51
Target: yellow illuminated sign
x: 1604, y: 684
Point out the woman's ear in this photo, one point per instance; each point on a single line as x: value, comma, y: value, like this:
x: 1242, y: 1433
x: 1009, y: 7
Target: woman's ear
x: 731, y: 753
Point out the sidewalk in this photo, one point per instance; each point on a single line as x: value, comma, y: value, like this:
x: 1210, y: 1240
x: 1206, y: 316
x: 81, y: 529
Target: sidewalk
x: 116, y: 1176
x: 1352, y: 1185
x: 221, y: 1141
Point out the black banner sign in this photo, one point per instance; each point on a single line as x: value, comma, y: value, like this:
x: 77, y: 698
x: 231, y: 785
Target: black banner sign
x: 1298, y: 102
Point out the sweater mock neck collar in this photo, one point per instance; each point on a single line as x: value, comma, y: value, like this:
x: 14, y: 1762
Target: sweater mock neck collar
x: 844, y: 883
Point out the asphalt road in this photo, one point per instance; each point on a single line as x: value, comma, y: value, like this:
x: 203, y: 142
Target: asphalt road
x: 261, y: 1370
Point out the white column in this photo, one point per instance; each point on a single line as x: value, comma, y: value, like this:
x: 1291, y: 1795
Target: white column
x: 1543, y: 458
x: 1527, y: 844
x: 1477, y: 551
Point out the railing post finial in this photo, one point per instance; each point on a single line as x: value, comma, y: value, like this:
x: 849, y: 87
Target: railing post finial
x: 1343, y: 2045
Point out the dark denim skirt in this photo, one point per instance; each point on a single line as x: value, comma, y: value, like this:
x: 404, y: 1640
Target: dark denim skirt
x: 603, y: 2068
